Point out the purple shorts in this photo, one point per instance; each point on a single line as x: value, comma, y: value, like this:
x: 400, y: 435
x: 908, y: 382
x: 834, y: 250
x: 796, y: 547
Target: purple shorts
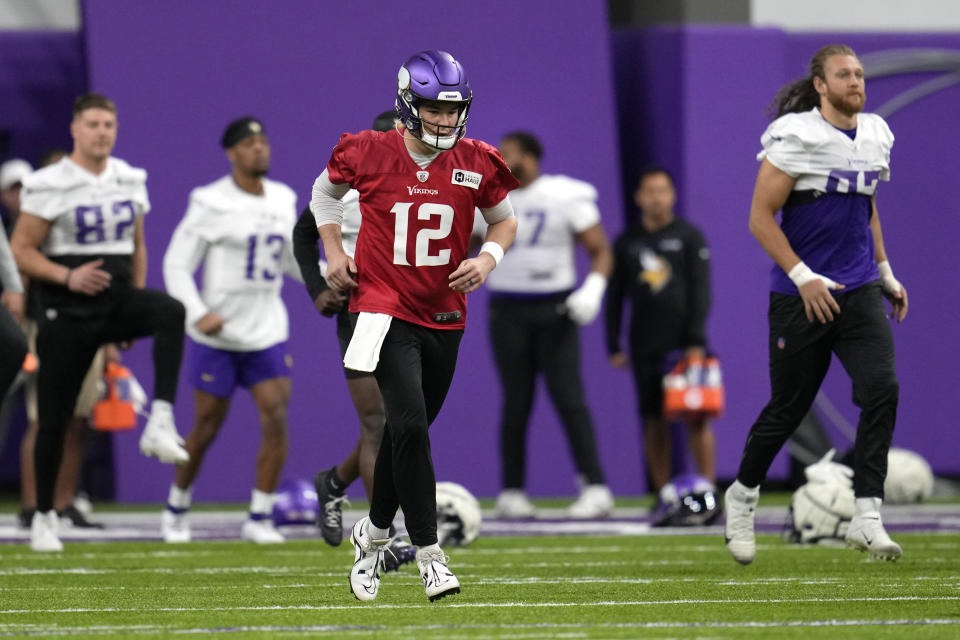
x: 218, y: 372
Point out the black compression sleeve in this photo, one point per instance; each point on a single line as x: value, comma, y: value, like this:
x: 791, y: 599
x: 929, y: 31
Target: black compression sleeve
x: 307, y: 253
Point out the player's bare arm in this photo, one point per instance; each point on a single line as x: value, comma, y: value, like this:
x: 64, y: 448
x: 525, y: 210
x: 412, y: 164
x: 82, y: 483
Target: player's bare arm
x: 594, y: 240
x: 893, y: 290
x: 769, y: 195
x: 29, y: 234
x: 472, y: 272
x: 139, y: 256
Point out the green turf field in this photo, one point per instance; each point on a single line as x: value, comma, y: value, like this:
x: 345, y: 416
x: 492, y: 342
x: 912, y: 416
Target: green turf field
x: 616, y: 587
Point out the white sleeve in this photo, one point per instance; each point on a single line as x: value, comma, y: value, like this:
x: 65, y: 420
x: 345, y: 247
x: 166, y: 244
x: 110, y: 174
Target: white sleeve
x: 9, y: 276
x: 326, y: 204
x: 498, y: 212
x: 582, y: 214
x: 784, y: 145
x: 185, y: 253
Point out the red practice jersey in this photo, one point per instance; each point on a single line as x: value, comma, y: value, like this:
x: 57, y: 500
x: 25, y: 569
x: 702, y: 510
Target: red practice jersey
x: 416, y: 222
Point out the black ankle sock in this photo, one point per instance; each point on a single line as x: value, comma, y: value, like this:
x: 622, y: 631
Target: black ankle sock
x: 334, y: 483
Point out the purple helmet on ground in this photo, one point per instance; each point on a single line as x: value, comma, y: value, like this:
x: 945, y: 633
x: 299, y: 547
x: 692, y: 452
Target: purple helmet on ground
x: 688, y: 500
x: 433, y: 75
x: 296, y: 503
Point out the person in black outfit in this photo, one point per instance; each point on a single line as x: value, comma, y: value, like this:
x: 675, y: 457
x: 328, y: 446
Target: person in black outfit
x: 86, y: 212
x: 662, y: 265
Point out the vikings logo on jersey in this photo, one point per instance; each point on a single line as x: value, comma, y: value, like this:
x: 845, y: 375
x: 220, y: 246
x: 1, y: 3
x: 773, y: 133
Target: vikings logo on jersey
x: 824, y: 158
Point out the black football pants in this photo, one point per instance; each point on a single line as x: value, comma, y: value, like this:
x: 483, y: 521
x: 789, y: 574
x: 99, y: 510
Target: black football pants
x: 800, y: 353
x: 414, y: 373
x: 532, y: 336
x: 66, y: 345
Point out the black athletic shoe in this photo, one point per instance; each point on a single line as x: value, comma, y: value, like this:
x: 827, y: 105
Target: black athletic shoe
x: 76, y: 519
x: 330, y: 514
x: 25, y: 518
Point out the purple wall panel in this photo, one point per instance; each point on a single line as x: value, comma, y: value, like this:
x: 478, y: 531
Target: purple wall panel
x: 312, y: 74
x: 724, y: 86
x: 40, y: 74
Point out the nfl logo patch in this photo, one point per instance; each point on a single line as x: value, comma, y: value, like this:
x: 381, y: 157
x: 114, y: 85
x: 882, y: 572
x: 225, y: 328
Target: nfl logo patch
x: 781, y: 343
x: 423, y: 175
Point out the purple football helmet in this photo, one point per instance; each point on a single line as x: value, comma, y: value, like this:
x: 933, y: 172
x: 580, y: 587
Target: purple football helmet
x: 687, y: 500
x: 296, y: 503
x: 433, y: 75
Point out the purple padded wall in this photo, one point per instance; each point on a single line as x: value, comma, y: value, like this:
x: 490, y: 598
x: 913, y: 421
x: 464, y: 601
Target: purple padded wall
x: 180, y: 70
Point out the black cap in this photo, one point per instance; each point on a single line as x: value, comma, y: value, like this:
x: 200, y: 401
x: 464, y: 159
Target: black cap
x: 240, y: 129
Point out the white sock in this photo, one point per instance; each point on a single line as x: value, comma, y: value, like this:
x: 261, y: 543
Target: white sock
x: 261, y: 502
x: 161, y: 406
x: 744, y: 491
x: 376, y: 533
x: 868, y: 506
x: 430, y: 548
x: 179, y: 498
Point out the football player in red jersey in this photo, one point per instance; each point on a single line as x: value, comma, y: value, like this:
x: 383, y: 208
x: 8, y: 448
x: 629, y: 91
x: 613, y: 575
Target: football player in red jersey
x: 419, y: 186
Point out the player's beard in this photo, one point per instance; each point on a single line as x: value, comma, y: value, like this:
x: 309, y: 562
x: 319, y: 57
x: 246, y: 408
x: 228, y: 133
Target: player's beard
x: 845, y: 104
x: 519, y: 173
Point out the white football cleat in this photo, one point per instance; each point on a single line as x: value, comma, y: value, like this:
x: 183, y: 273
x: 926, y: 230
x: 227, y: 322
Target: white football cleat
x: 513, y: 503
x: 595, y: 501
x: 866, y: 533
x: 43, y: 532
x: 160, y: 438
x: 368, y: 556
x: 740, y: 504
x: 175, y: 527
x: 262, y: 532
x: 438, y: 580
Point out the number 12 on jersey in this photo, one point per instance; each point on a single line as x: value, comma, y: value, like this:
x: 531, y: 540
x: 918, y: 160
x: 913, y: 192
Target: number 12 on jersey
x: 422, y: 255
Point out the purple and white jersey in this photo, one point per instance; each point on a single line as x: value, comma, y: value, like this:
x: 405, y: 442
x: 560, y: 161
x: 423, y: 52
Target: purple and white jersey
x: 550, y: 212
x: 827, y: 217
x: 244, y: 243
x: 90, y: 214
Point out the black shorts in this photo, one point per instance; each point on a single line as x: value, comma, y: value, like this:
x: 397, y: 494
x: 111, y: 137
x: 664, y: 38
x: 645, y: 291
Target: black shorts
x: 648, y: 372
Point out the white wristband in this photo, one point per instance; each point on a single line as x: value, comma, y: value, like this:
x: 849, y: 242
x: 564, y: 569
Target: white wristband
x: 801, y: 274
x: 494, y: 249
x: 886, y: 271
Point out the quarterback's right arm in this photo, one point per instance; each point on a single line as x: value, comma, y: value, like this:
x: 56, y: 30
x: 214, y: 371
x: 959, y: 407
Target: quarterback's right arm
x: 327, y: 207
x: 770, y: 193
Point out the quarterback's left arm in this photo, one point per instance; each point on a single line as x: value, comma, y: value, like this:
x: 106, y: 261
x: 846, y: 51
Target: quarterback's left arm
x: 139, y: 256
x: 895, y: 292
x: 583, y: 305
x: 501, y: 230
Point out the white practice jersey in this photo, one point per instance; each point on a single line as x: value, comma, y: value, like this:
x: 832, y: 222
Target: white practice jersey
x: 550, y: 212
x: 822, y: 158
x: 245, y: 244
x: 89, y: 214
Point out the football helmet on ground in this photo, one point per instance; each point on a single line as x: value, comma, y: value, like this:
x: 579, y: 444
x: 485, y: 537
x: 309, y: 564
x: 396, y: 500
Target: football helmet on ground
x: 458, y: 515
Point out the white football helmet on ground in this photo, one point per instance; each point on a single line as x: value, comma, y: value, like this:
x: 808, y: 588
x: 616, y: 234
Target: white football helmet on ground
x: 458, y: 515
x: 819, y: 512
x: 909, y: 477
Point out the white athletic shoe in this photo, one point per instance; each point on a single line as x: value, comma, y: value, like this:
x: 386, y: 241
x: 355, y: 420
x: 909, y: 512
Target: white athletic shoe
x: 262, y: 532
x: 866, y: 533
x: 595, y: 501
x: 43, y: 532
x: 513, y: 503
x: 175, y: 527
x: 740, y: 504
x: 438, y: 580
x: 161, y: 440
x: 368, y: 556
